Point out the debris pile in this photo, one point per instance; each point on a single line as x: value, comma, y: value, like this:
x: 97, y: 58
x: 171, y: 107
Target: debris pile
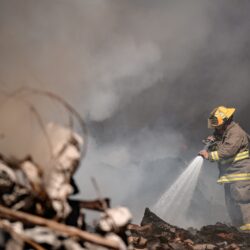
x: 36, y: 207
x: 154, y: 233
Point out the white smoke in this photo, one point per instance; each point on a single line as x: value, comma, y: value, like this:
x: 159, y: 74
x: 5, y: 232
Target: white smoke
x: 144, y: 74
x: 111, y: 86
x: 102, y: 54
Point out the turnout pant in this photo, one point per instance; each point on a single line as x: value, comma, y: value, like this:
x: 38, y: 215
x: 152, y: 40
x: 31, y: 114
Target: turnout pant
x: 237, y: 196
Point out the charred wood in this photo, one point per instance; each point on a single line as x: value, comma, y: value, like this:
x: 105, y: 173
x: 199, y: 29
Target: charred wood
x: 68, y: 230
x: 155, y: 233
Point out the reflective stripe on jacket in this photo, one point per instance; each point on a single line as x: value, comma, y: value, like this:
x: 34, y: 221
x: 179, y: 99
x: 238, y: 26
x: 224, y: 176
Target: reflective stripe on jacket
x: 245, y: 227
x: 240, y: 156
x: 234, y: 177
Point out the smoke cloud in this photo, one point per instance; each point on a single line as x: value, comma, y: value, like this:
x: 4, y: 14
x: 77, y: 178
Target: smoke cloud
x: 143, y: 74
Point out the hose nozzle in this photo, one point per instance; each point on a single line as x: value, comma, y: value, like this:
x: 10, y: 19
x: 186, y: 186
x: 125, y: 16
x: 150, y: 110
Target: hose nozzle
x: 209, y: 141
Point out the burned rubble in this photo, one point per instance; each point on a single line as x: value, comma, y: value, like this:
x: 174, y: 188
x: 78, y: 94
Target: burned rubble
x: 37, y: 210
x: 155, y: 233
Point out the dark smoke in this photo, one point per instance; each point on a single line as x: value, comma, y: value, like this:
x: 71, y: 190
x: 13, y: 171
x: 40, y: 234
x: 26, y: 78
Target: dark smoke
x: 144, y: 75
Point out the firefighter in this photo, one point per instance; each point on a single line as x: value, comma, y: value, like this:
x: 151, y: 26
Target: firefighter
x: 231, y: 151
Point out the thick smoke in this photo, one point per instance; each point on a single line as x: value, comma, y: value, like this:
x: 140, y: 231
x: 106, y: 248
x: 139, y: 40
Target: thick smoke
x: 144, y: 75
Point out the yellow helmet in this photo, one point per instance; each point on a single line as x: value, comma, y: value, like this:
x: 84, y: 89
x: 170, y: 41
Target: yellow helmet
x: 219, y: 116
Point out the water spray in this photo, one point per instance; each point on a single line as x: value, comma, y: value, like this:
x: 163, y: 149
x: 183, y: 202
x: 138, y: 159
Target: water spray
x: 175, y: 201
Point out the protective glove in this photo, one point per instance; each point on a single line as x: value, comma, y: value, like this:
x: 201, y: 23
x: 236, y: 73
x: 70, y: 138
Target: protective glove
x: 204, y: 154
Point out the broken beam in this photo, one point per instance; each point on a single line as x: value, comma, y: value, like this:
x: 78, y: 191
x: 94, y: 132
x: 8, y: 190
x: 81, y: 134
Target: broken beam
x: 69, y: 230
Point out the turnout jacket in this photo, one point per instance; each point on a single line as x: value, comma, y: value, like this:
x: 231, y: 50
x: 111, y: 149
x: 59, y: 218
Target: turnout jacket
x: 232, y: 154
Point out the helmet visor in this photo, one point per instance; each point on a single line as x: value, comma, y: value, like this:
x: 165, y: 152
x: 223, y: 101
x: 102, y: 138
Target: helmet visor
x: 214, y: 121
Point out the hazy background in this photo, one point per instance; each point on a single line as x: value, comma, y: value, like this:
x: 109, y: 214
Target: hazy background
x: 143, y: 74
